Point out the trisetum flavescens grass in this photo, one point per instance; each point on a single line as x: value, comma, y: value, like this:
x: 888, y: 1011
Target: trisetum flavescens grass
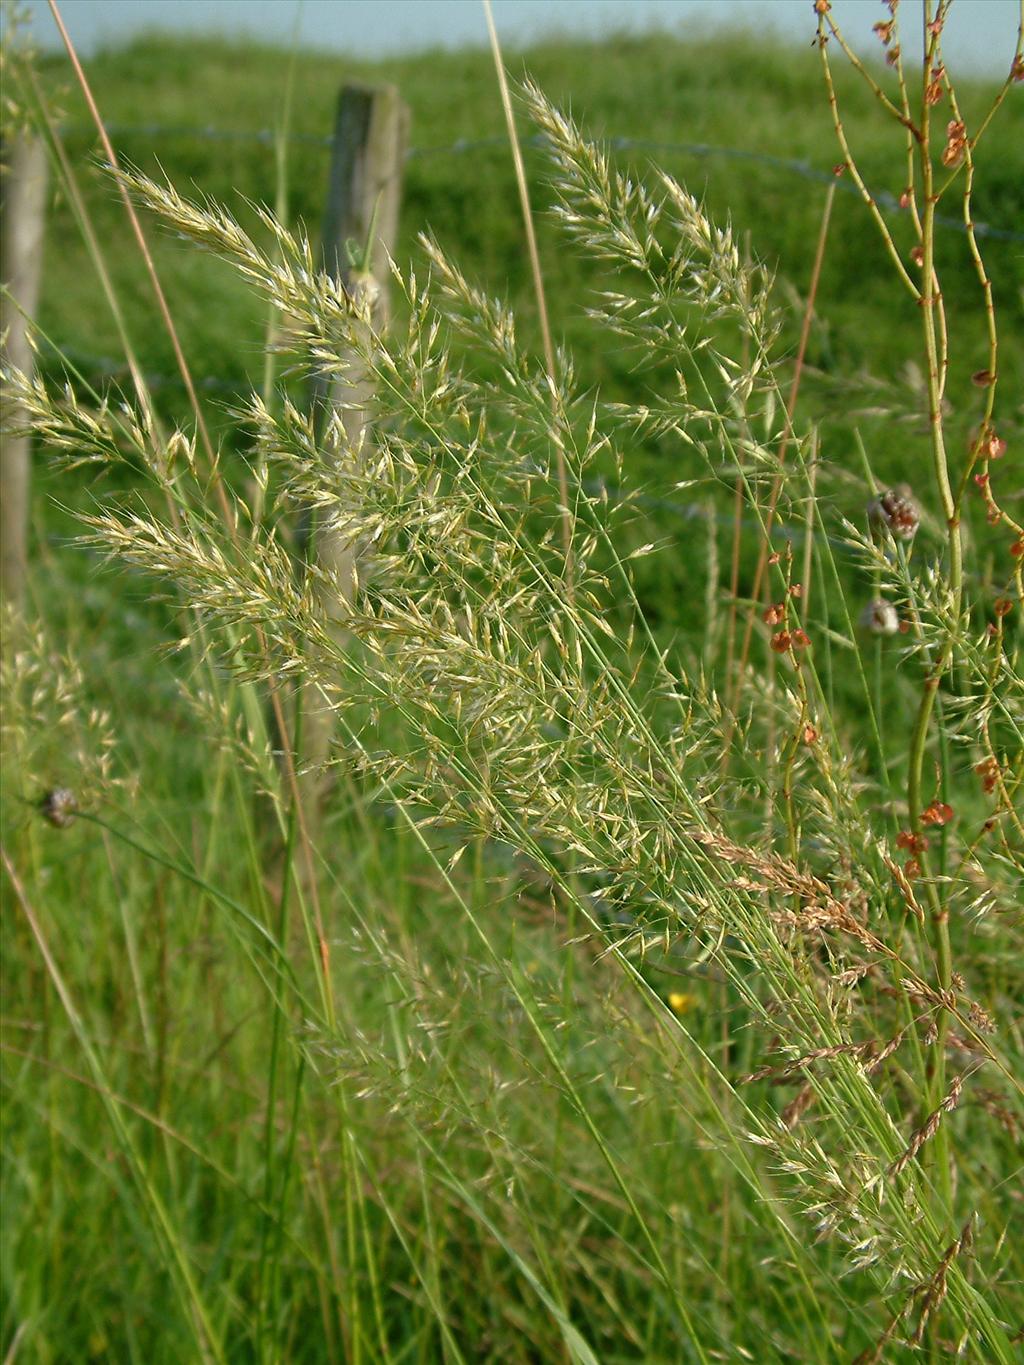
x: 504, y: 706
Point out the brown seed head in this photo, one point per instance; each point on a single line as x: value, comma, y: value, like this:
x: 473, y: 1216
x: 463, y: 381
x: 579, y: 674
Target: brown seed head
x: 938, y: 813
x: 913, y: 843
x: 896, y: 511
x: 994, y: 446
x: 956, y: 143
x: 933, y: 91
x: 988, y: 771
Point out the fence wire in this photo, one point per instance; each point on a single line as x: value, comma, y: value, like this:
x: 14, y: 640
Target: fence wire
x: 803, y: 169
x: 105, y: 367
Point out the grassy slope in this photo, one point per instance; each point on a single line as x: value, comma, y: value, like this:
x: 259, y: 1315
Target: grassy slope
x: 727, y: 93
x: 191, y: 1045
x: 666, y: 91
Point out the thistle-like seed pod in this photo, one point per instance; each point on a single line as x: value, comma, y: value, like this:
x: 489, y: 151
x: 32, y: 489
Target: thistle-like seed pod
x: 896, y: 511
x: 880, y: 617
x: 59, y: 806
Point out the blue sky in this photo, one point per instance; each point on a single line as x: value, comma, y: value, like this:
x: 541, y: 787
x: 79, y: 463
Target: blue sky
x: 980, y: 35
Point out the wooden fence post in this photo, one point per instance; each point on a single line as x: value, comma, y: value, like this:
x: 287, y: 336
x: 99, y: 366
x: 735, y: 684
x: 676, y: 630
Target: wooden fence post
x: 22, y: 214
x: 364, y: 196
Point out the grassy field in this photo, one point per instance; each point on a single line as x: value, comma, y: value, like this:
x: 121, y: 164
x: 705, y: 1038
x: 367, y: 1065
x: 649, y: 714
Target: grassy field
x: 647, y: 89
x: 862, y: 342
x: 421, y: 1092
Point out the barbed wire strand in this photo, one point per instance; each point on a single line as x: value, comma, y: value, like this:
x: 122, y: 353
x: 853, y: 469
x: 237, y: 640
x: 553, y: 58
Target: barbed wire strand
x: 106, y: 367
x: 886, y: 201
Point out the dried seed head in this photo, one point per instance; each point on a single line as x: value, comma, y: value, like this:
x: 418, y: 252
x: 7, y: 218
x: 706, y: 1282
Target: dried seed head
x: 785, y: 640
x: 981, y: 1019
x: 938, y: 813
x: 956, y: 143
x: 896, y: 511
x: 987, y: 443
x: 915, y: 843
x: 798, y: 1106
x: 880, y: 617
x: 933, y: 92
x: 988, y: 771
x: 59, y: 806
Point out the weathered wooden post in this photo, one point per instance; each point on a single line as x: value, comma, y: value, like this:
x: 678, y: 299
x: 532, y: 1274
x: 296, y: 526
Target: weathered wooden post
x: 363, y: 201
x: 22, y: 214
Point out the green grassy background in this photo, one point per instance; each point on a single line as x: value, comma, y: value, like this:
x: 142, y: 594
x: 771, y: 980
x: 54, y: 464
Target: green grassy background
x: 165, y: 979
x: 735, y: 93
x: 663, y: 91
